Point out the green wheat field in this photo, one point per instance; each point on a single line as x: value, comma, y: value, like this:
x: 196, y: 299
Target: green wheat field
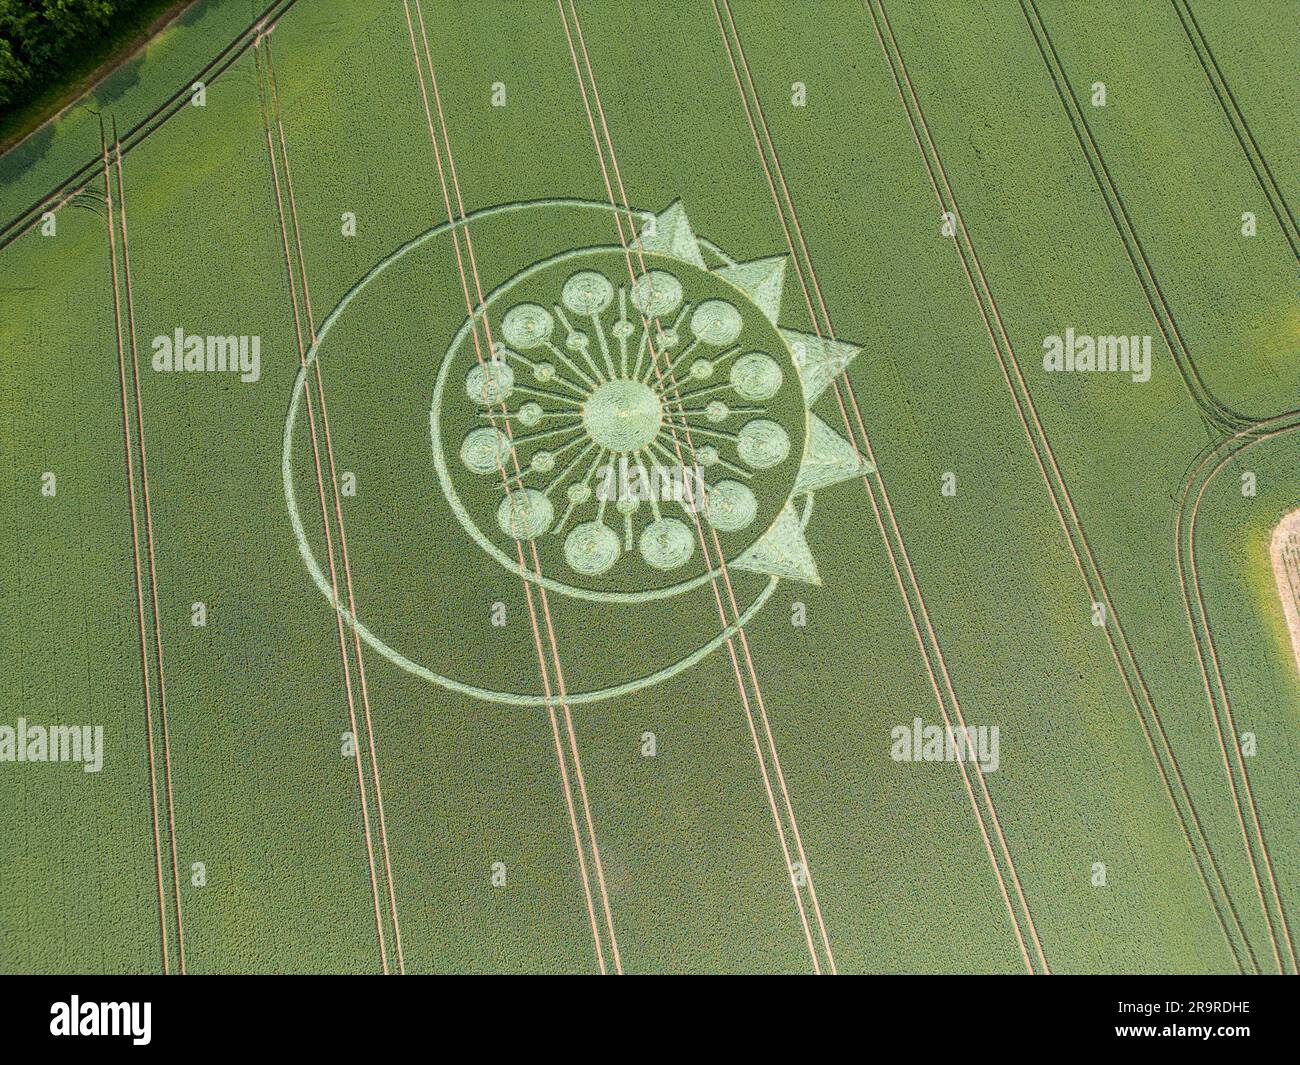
x: 335, y: 338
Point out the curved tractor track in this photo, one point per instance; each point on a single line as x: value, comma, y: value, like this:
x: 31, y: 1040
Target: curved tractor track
x: 1211, y: 460
x: 1232, y: 432
x: 1220, y: 418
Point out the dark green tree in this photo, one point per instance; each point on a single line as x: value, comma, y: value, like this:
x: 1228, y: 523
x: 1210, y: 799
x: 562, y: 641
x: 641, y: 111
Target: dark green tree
x: 40, y: 40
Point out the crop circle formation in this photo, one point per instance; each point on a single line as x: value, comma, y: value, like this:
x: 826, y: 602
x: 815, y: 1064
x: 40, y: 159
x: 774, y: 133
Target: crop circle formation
x: 608, y: 421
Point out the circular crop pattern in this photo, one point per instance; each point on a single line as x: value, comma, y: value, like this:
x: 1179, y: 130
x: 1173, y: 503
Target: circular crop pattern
x: 617, y: 420
x: 731, y: 506
x: 591, y: 428
x: 623, y: 415
x: 756, y: 376
x: 526, y: 326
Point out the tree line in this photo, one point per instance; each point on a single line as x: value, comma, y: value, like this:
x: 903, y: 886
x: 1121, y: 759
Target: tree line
x: 41, y: 40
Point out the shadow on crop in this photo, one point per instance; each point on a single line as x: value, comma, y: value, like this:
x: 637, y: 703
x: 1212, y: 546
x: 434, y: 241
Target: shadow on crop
x: 21, y: 158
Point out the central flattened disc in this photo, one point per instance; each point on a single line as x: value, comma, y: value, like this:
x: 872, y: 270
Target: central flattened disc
x: 623, y: 415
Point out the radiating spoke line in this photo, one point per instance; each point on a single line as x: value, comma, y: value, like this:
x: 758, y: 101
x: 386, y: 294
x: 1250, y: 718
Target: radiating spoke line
x: 508, y: 417
x: 622, y: 337
x: 558, y: 479
x: 510, y: 353
x: 551, y: 395
x: 546, y: 434
x: 672, y: 366
x: 572, y: 443
x: 584, y: 349
x: 573, y: 366
x: 510, y: 482
x: 720, y: 433
x: 705, y: 390
x: 738, y: 470
x: 599, y: 328
x: 640, y: 352
x: 555, y: 454
x: 649, y: 486
x: 595, y: 465
x: 693, y: 411
x: 726, y: 356
x: 661, y: 347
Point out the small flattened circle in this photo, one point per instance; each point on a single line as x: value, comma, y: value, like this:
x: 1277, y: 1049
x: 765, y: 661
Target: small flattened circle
x: 489, y: 383
x: 530, y: 414
x: 591, y: 548
x: 756, y: 376
x: 524, y: 514
x: 763, y: 444
x: 701, y: 369
x: 656, y: 293
x: 578, y: 493
x: 666, y: 543
x: 716, y: 322
x: 706, y: 455
x: 730, y: 506
x: 527, y: 325
x: 484, y: 450
x: 587, y: 292
x: 716, y: 411
x: 543, y: 462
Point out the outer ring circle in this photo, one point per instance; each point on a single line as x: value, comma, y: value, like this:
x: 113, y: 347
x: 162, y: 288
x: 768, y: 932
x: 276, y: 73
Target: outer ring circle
x: 376, y: 642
